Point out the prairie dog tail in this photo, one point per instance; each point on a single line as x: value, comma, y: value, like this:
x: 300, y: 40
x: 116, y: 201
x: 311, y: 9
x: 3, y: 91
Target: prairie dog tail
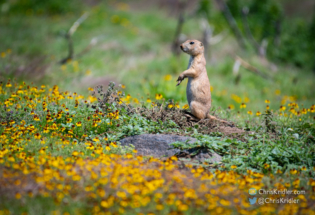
x: 216, y: 119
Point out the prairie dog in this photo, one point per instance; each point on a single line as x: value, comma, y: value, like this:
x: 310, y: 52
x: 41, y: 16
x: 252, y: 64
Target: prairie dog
x: 198, y: 85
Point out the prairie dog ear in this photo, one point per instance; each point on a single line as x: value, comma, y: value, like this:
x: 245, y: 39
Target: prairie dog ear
x: 201, y: 44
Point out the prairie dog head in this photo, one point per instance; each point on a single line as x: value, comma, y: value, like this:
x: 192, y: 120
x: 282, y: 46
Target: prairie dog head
x: 192, y: 47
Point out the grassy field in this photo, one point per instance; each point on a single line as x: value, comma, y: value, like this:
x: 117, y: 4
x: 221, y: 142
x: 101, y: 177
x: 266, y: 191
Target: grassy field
x: 133, y: 48
x: 59, y: 132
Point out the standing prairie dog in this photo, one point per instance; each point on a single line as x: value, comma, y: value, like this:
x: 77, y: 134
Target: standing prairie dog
x: 198, y: 85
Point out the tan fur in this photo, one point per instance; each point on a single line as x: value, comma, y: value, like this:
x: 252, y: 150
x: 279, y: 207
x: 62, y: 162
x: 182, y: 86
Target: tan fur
x: 198, y: 85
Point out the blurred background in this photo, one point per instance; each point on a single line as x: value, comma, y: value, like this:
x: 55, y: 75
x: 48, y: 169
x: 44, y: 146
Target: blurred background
x: 256, y: 50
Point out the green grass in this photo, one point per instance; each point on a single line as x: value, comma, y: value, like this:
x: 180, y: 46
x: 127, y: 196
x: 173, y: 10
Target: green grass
x: 133, y: 48
x: 138, y: 55
x: 277, y: 152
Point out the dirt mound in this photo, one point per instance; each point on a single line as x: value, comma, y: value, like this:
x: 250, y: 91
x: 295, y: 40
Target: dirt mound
x: 91, y: 81
x: 166, y: 111
x: 206, y: 126
x: 230, y: 130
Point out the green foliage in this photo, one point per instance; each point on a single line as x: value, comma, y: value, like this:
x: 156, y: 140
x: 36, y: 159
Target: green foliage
x: 204, y: 8
x: 38, y: 7
x: 294, y: 46
x: 265, y: 14
x: 288, y: 152
x: 235, y: 7
x: 290, y: 40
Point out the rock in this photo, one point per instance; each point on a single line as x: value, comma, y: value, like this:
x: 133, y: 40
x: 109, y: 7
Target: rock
x: 202, y: 155
x: 158, y: 145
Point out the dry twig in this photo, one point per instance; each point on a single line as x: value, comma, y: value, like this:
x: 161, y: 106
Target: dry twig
x: 68, y: 37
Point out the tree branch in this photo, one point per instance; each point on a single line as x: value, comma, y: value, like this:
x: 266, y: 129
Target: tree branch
x: 260, y: 48
x: 251, y: 68
x: 68, y: 35
x: 231, y: 21
x: 176, y: 42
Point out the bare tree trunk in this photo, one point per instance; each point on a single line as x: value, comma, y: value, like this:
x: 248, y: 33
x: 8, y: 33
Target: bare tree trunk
x: 207, y: 35
x: 181, y: 19
x: 231, y: 21
x: 277, y: 40
x: 249, y: 34
x: 70, y: 47
x: 260, y: 48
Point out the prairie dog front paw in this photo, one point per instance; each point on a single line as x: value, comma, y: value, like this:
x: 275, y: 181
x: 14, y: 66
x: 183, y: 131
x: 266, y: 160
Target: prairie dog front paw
x: 180, y: 79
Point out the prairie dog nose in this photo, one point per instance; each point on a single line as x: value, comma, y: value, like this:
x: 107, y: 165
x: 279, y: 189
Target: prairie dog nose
x: 181, y: 47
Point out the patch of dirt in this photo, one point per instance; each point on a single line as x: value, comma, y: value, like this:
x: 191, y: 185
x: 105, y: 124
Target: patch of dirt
x: 206, y: 126
x: 230, y: 130
x: 110, y: 45
x: 26, y: 185
x: 32, y: 69
x: 91, y: 81
x: 227, y: 129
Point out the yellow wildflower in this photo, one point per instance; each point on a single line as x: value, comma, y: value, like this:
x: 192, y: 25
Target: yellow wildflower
x: 158, y: 96
x: 167, y: 77
x: 186, y: 106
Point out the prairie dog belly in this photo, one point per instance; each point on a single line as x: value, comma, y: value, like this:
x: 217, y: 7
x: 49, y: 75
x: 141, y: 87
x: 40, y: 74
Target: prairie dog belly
x: 199, y: 91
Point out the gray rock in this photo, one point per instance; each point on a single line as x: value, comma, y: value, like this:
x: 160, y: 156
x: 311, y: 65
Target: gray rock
x: 158, y: 145
x: 202, y: 155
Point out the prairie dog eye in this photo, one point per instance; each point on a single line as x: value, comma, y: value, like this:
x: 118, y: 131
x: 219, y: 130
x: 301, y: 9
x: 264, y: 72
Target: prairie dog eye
x: 192, y: 43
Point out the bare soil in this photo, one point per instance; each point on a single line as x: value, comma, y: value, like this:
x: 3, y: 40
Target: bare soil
x: 205, y: 126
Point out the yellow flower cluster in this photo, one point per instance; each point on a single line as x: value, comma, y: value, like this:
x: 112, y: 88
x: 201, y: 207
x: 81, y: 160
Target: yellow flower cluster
x: 62, y: 164
x: 292, y: 111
